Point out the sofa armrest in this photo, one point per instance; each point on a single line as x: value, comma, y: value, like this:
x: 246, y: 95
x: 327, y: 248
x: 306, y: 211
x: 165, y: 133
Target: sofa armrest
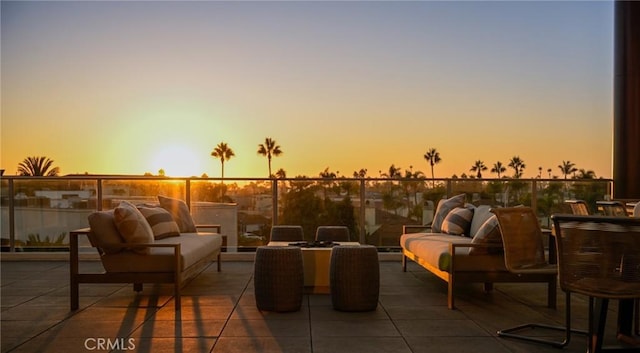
x: 414, y: 228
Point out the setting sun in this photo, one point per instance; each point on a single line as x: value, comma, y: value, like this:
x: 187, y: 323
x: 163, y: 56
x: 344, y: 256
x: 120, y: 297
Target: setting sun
x: 176, y: 160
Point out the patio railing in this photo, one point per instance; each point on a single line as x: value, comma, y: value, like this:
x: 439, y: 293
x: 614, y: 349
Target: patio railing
x: 38, y: 212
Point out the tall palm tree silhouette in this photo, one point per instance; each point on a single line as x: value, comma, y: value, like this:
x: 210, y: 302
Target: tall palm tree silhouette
x: 478, y: 167
x: 433, y: 157
x: 518, y: 166
x: 269, y: 149
x: 37, y: 166
x: 567, y: 168
x: 224, y: 153
x: 498, y: 168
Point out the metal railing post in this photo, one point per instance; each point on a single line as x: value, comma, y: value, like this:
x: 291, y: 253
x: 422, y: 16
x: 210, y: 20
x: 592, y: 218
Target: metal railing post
x: 274, y: 200
x: 363, y: 213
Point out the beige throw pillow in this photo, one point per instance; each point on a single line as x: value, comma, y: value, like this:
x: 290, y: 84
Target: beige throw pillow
x: 103, y: 227
x: 133, y: 227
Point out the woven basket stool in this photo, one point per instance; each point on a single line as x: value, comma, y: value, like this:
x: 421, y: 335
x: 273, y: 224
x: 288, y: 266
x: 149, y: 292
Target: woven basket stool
x: 278, y: 278
x: 355, y: 278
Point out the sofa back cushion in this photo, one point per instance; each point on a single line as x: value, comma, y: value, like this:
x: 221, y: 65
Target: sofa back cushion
x: 180, y: 213
x: 104, y: 233
x: 133, y: 227
x: 161, y: 222
x: 458, y: 221
x: 444, y: 207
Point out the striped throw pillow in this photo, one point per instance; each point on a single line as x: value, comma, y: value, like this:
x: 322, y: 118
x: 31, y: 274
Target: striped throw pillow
x: 161, y: 222
x: 458, y: 221
x: 180, y: 213
x: 444, y: 207
x: 489, y: 233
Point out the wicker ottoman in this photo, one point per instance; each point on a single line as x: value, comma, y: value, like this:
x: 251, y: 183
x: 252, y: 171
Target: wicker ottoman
x: 355, y: 278
x: 278, y: 278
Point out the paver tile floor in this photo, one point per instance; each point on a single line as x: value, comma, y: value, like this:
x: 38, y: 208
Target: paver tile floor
x: 219, y: 315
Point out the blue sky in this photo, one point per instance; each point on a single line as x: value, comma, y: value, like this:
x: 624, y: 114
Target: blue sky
x: 339, y: 85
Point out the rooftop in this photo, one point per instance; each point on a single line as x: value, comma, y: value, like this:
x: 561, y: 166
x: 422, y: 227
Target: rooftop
x: 219, y: 315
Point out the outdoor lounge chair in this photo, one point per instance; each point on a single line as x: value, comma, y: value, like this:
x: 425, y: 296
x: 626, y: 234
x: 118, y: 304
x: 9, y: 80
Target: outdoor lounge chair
x: 524, y: 254
x: 332, y: 233
x: 286, y: 233
x: 599, y: 257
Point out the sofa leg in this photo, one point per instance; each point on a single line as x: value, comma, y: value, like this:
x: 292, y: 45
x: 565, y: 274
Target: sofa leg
x: 178, y: 298
x: 75, y: 295
x: 450, y: 302
x: 219, y: 263
x: 404, y: 263
x: 488, y: 287
x: 137, y: 287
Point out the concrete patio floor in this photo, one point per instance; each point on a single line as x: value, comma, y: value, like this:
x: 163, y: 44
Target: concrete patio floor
x: 219, y: 315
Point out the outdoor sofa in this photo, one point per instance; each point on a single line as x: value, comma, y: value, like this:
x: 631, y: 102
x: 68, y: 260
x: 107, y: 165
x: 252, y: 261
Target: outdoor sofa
x: 464, y: 245
x: 157, y: 244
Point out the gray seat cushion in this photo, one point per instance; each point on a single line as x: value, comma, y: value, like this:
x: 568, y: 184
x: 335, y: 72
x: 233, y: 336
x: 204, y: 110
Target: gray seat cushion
x: 193, y: 247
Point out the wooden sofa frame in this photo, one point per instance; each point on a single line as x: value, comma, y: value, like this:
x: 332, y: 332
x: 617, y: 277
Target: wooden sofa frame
x: 176, y: 277
x: 488, y: 278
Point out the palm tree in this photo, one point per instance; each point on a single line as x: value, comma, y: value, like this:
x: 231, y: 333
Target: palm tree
x: 281, y: 174
x: 478, y: 167
x: 37, y: 166
x: 518, y: 166
x: 222, y: 152
x: 269, y: 149
x: 362, y: 173
x: 498, y: 168
x: 393, y: 172
x: 433, y: 157
x: 585, y: 174
x: 567, y: 168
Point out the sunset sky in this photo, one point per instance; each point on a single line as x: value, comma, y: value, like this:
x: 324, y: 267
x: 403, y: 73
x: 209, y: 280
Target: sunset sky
x: 110, y: 87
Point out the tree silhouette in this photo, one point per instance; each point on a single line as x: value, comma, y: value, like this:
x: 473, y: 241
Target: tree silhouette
x: 478, y: 167
x: 224, y: 153
x: 393, y: 172
x: 498, y: 168
x: 567, y: 168
x: 362, y: 173
x: 433, y: 157
x: 37, y: 166
x: 269, y: 149
x: 585, y: 174
x: 281, y: 174
x: 518, y: 166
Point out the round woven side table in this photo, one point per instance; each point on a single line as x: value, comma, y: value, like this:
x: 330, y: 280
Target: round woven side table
x: 278, y: 278
x: 355, y: 278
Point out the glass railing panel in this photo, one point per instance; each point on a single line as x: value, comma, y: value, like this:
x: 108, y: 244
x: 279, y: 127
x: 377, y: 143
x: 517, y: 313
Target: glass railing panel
x: 552, y: 195
x: 314, y: 202
x: 243, y: 209
x: 39, y: 212
x: 5, y: 232
x: 45, y: 210
x: 140, y: 191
